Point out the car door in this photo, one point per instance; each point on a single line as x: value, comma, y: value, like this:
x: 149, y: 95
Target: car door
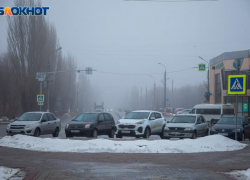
x: 159, y: 120
x: 153, y: 123
x: 203, y: 125
x: 199, y: 126
x: 108, y: 122
x: 51, y: 124
x: 44, y: 125
x: 100, y: 123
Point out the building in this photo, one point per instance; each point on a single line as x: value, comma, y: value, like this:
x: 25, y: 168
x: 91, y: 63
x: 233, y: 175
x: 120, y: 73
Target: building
x: 222, y: 66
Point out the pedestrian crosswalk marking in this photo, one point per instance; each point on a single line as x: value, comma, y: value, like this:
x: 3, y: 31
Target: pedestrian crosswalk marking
x: 236, y: 84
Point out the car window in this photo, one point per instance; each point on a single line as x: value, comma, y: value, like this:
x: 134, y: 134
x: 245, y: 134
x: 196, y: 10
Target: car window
x: 51, y: 117
x: 208, y: 111
x: 45, y: 117
x: 152, y: 115
x: 192, y: 111
x: 107, y: 117
x: 202, y: 119
x: 199, y: 120
x: 157, y: 115
x: 101, y: 117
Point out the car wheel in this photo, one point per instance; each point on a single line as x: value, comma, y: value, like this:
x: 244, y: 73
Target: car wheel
x: 206, y: 133
x: 37, y: 132
x: 112, y: 133
x: 146, y: 133
x: 161, y: 135
x: 137, y: 137
x: 95, y: 133
x: 56, y: 133
x: 194, y: 135
x: 118, y: 136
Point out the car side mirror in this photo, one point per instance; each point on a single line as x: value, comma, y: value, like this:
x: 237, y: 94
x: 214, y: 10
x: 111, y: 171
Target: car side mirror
x: 43, y: 120
x: 152, y: 118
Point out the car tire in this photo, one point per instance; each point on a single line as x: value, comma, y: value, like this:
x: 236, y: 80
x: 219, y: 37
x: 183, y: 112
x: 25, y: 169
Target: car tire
x: 146, y: 133
x: 95, y: 133
x: 206, y: 133
x: 194, y: 136
x: 118, y: 136
x: 137, y: 137
x: 112, y: 133
x: 37, y: 132
x: 56, y: 133
x: 161, y: 135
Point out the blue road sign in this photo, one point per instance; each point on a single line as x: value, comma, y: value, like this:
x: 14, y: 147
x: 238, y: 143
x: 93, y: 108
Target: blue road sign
x: 40, y: 98
x: 237, y: 84
x: 202, y: 67
x: 167, y: 100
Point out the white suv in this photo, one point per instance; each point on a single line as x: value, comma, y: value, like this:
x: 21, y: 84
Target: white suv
x: 141, y: 124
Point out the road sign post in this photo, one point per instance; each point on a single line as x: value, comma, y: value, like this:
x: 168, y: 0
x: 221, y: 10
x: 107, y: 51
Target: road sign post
x: 40, y: 97
x: 237, y: 85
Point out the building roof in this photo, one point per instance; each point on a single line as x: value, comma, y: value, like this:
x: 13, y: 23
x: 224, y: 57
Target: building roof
x: 230, y: 55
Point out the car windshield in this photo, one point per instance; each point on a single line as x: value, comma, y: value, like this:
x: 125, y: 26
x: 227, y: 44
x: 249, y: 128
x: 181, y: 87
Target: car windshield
x: 30, y: 117
x: 183, y: 119
x: 230, y: 120
x: 90, y: 117
x: 137, y: 115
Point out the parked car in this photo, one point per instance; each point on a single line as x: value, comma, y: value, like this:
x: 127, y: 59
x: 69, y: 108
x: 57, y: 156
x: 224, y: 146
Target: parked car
x: 35, y: 124
x: 4, y: 118
x: 141, y: 124
x: 177, y: 110
x: 184, y: 111
x: 213, y: 112
x: 186, y: 126
x: 226, y: 127
x: 91, y: 125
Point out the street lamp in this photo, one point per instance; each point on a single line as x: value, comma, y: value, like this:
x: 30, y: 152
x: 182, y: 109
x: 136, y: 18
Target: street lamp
x: 165, y: 84
x: 49, y: 71
x: 146, y: 94
x: 141, y: 95
x: 154, y: 90
x: 207, y: 78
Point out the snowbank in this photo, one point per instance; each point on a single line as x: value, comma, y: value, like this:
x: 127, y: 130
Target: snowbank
x: 6, y: 173
x: 206, y: 144
x: 241, y: 175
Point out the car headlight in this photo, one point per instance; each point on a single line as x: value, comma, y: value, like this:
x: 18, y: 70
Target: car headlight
x: 188, y: 129
x: 8, y: 127
x: 238, y: 130
x: 212, y: 129
x: 67, y: 125
x: 140, y: 122
x: 28, y: 126
x: 87, y: 126
x: 118, y: 122
x: 166, y: 128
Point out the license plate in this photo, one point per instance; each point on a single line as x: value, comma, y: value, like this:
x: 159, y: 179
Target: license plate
x: 125, y: 131
x: 16, y: 131
x: 223, y: 134
x: 75, y: 131
x: 175, y: 133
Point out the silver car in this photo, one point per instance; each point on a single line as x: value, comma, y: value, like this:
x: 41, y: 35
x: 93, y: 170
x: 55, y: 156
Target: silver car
x: 35, y: 124
x: 186, y: 126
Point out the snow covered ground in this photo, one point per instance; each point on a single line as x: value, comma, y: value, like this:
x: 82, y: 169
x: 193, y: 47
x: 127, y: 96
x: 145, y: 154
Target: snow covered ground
x: 206, y: 144
x: 241, y: 175
x: 6, y: 173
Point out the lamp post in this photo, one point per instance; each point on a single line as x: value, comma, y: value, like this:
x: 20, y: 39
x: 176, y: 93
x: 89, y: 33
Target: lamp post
x: 146, y: 94
x: 165, y: 84
x: 154, y: 91
x: 141, y: 96
x: 49, y: 71
x: 207, y: 77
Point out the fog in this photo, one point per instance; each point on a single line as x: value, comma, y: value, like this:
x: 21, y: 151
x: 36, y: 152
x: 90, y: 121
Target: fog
x: 125, y: 40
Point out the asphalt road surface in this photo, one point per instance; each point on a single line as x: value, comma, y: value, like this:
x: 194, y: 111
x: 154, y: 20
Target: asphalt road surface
x: 116, y: 116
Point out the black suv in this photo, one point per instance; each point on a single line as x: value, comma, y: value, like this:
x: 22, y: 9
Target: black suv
x: 91, y: 125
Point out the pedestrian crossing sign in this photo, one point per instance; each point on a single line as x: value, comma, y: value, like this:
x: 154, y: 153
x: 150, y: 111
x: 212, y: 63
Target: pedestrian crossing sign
x: 40, y: 98
x: 202, y: 67
x: 237, y: 84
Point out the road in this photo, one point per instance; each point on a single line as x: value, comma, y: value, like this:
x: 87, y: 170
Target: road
x: 116, y: 116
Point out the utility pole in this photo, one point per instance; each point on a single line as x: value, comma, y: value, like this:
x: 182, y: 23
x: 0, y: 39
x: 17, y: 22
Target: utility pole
x: 236, y: 109
x: 172, y: 93
x: 154, y: 92
x: 165, y: 86
x: 208, y: 91
x: 146, y: 94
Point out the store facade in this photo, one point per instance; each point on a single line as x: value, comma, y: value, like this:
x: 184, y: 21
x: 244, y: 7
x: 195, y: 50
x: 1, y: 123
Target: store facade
x: 220, y: 68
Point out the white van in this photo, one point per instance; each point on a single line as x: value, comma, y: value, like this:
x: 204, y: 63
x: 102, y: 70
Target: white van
x: 213, y: 112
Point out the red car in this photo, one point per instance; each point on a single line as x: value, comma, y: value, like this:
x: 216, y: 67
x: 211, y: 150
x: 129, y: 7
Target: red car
x: 177, y: 110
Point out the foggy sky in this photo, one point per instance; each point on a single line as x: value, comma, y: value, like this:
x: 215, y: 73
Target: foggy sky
x: 132, y: 37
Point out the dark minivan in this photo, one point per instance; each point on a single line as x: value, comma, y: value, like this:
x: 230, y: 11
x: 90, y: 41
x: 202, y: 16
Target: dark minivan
x: 226, y: 127
x: 91, y: 125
